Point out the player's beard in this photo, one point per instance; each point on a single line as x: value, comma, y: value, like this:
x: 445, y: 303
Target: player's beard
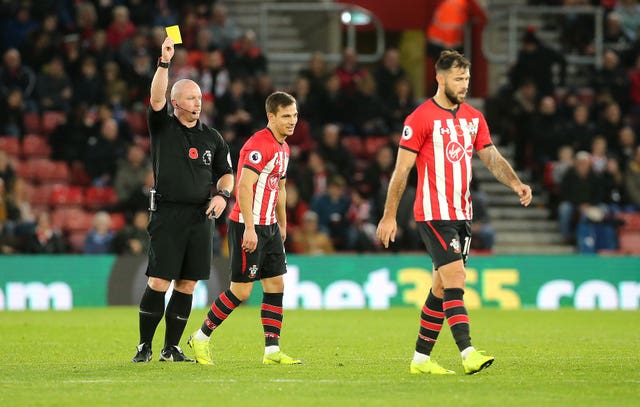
x: 453, y: 98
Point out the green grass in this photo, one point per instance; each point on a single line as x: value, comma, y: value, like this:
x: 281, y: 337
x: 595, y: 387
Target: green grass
x: 351, y: 358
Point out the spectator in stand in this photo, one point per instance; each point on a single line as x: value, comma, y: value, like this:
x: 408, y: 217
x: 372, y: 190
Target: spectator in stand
x: 626, y: 146
x: 553, y: 179
x: 88, y: 88
x: 12, y: 109
x: 72, y: 55
x: 131, y: 173
x: 139, y: 199
x: 263, y: 87
x: 388, y: 73
x: 138, y: 78
x: 100, y: 50
x: 296, y: 208
x: 9, y: 244
x: 536, y: 62
x: 629, y: 11
x: 310, y: 239
x: 99, y: 238
x: 316, y: 72
x: 483, y: 232
x: 362, y: 232
x: 312, y: 178
x: 103, y: 154
x: 349, y: 71
x: 634, y: 88
x: 244, y: 57
x: 45, y: 239
x: 371, y: 116
x: 332, y: 208
x: 20, y: 198
x: 599, y: 155
x: 7, y: 173
x: 131, y: 47
x: 610, y: 124
x: 612, y: 77
x: 68, y: 140
x: 334, y: 153
x: 378, y: 173
x: 580, y: 130
x: 17, y: 27
x: 54, y: 87
x: 401, y: 104
x: 546, y: 133
x: 141, y: 12
x: 121, y: 28
x: 43, y: 43
x: 86, y: 20
x: 14, y: 74
x: 233, y: 109
x: 115, y: 88
x: 632, y: 181
x: 612, y: 180
x: 223, y: 31
x: 334, y: 104
x: 133, y: 238
x: 215, y: 76
x: 9, y: 212
x: 580, y: 190
x: 614, y: 36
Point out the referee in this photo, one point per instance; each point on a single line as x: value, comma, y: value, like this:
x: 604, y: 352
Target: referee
x: 188, y: 157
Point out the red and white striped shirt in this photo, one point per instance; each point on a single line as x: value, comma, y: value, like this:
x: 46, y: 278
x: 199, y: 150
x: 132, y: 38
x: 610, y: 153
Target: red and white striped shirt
x: 264, y: 155
x: 444, y: 141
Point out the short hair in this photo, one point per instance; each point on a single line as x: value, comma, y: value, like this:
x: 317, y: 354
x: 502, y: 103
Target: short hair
x: 451, y: 59
x: 278, y: 99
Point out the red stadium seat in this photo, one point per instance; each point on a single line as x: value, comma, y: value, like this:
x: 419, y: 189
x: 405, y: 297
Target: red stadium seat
x: 58, y: 172
x: 41, y: 194
x: 118, y: 220
x: 51, y: 120
x: 32, y: 123
x: 354, y: 145
x: 63, y: 195
x: 372, y: 144
x: 138, y: 122
x: 629, y: 241
x: 34, y: 146
x: 143, y: 141
x: 76, y: 241
x: 78, y: 220
x: 33, y: 169
x: 100, y: 197
x: 10, y: 145
x: 631, y: 220
x: 79, y: 175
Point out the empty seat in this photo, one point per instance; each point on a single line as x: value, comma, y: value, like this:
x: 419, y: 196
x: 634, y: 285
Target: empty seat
x: 63, y: 195
x: 372, y: 144
x: 51, y: 120
x: 32, y: 123
x: 78, y: 220
x: 100, y: 197
x: 34, y: 146
x: 355, y: 145
x: 629, y: 241
x: 78, y: 175
x: 58, y: 172
x: 138, y: 122
x: 631, y: 220
x: 76, y: 241
x: 118, y: 221
x: 10, y: 145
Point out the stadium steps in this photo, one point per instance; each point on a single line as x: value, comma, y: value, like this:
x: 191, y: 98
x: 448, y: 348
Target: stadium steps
x: 519, y: 230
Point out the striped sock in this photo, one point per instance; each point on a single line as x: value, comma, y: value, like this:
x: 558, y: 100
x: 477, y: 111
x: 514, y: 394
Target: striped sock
x: 431, y: 319
x: 457, y: 317
x: 220, y: 310
x: 271, y: 314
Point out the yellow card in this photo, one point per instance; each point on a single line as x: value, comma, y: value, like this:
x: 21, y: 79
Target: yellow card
x: 174, y: 33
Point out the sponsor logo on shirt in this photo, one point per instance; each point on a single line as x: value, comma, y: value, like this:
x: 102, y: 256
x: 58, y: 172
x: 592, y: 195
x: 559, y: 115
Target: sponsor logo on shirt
x: 455, y: 151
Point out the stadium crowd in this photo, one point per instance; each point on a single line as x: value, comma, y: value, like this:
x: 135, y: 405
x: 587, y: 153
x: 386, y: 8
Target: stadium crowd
x: 74, y: 151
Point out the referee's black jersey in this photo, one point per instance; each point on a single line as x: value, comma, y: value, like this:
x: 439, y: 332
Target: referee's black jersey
x: 186, y: 161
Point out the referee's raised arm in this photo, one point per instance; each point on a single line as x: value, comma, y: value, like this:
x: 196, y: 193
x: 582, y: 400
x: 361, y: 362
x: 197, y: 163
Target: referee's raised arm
x: 161, y: 77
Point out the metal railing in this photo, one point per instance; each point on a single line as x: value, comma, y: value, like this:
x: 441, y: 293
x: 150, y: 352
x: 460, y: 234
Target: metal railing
x: 269, y: 10
x: 515, y: 19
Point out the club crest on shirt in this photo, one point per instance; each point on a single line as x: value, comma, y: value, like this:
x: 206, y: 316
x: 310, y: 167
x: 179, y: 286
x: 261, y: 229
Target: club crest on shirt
x: 206, y: 157
x: 454, y: 151
x: 255, y: 157
x: 407, y: 132
x: 472, y: 128
x: 253, y: 270
x: 455, y: 245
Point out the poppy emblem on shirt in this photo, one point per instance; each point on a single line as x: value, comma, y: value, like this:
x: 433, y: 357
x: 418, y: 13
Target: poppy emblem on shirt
x: 255, y: 157
x: 455, y: 151
x: 407, y: 132
x: 459, y: 131
x: 193, y: 153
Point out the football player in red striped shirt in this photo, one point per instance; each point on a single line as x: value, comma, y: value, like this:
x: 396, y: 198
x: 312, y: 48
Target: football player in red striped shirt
x: 439, y: 138
x: 257, y: 231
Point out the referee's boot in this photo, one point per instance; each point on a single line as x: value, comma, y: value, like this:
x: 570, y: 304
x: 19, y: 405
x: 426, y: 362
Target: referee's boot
x: 174, y: 353
x: 143, y: 353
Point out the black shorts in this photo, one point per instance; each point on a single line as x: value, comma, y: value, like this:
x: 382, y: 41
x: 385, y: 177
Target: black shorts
x: 181, y: 242
x: 446, y: 240
x: 268, y: 260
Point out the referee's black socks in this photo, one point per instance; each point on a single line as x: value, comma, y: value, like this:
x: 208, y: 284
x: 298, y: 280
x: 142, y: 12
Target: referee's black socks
x: 176, y: 317
x: 151, y: 310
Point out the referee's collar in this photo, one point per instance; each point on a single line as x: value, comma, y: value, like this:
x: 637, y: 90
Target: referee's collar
x: 198, y: 125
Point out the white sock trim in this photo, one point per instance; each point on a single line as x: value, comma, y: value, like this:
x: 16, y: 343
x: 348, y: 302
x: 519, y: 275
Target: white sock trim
x: 200, y: 336
x: 420, y: 357
x: 268, y: 350
x: 466, y: 352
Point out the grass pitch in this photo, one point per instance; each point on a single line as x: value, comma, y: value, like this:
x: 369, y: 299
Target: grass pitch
x: 351, y: 358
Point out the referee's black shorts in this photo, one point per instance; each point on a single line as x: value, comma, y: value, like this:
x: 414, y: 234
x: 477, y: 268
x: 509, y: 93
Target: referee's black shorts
x: 446, y: 240
x: 180, y: 242
x: 268, y: 260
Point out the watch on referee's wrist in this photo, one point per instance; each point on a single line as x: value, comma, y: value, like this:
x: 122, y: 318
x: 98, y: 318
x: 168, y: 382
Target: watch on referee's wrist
x: 225, y: 194
x: 162, y: 64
